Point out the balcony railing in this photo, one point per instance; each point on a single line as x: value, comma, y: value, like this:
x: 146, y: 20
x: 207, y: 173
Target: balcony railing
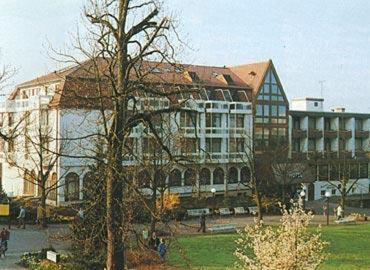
x: 330, y: 154
x: 361, y: 153
x: 362, y: 134
x: 314, y: 133
x: 299, y: 155
x: 345, y: 134
x: 315, y: 154
x: 345, y: 154
x: 330, y: 134
x: 299, y: 133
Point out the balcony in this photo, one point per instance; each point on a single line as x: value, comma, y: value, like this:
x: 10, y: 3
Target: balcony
x: 314, y: 155
x: 345, y: 154
x: 362, y: 134
x: 345, y: 134
x: 330, y: 154
x: 361, y: 153
x: 299, y: 155
x: 330, y: 134
x: 314, y: 133
x: 299, y: 133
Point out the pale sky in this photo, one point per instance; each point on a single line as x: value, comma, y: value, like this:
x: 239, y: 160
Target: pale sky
x: 308, y: 41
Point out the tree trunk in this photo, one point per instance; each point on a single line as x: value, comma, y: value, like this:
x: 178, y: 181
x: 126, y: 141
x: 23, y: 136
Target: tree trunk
x: 115, y: 243
x: 257, y: 200
x: 43, y: 207
x: 153, y: 219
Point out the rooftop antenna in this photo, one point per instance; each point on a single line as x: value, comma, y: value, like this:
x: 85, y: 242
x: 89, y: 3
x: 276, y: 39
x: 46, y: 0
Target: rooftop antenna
x: 322, y: 87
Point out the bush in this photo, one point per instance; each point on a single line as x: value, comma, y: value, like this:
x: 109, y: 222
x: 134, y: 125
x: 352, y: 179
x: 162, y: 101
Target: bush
x: 140, y: 257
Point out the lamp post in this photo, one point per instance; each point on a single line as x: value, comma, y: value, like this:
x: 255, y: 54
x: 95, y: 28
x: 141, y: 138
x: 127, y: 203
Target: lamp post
x: 303, y: 198
x: 327, y: 196
x: 213, y: 191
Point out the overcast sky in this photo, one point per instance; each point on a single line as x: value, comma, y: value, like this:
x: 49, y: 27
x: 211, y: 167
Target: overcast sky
x: 308, y: 41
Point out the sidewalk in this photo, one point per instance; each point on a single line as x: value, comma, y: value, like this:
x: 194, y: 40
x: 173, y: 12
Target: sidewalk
x: 30, y: 239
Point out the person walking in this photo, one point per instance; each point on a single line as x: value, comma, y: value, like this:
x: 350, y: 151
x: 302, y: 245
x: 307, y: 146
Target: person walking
x: 154, y: 242
x: 202, y: 222
x: 339, y: 212
x: 4, y: 237
x: 21, y: 218
x: 162, y: 249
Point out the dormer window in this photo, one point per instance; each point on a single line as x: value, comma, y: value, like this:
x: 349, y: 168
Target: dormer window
x: 155, y: 70
x: 194, y: 76
x: 228, y: 79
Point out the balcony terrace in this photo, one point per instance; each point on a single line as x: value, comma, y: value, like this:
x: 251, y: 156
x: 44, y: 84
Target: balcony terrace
x: 314, y: 133
x: 345, y: 134
x: 362, y: 134
x: 299, y: 133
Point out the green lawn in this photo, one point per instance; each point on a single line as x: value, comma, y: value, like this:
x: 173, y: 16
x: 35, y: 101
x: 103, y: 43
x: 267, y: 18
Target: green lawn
x: 349, y: 249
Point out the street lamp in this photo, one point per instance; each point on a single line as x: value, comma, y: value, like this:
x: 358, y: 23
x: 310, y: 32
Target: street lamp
x: 213, y: 190
x: 327, y: 196
x: 303, y: 198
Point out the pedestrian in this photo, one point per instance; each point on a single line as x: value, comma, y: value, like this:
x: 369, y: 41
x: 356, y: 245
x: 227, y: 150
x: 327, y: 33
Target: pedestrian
x: 324, y: 210
x: 154, y: 241
x: 21, y: 217
x: 162, y: 249
x: 202, y: 222
x: 339, y: 212
x: 4, y: 237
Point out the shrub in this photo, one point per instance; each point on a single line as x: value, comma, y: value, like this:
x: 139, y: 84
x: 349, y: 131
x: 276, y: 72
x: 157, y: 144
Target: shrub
x: 288, y: 247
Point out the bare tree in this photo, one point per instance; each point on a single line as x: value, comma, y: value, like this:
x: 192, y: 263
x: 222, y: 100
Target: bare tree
x: 123, y: 36
x: 34, y: 151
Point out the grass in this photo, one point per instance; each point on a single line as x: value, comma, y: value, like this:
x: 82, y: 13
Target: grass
x: 349, y: 249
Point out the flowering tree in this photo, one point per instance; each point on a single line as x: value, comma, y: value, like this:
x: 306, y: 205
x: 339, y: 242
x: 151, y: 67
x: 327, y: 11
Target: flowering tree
x: 288, y: 247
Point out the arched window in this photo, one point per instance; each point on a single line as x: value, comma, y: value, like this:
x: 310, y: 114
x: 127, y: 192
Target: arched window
x: 218, y: 176
x: 175, y: 178
x: 52, y: 187
x: 143, y: 179
x: 28, y: 183
x: 190, y: 177
x: 160, y: 178
x: 205, y: 176
x: 233, y: 175
x: 72, y: 187
x: 245, y: 175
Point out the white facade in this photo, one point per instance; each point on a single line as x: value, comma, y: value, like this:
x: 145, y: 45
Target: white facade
x: 222, y: 135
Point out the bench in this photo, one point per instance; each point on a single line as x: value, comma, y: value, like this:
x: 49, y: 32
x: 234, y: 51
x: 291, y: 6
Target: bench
x: 197, y: 212
x: 225, y: 212
x: 253, y: 210
x: 222, y: 228
x: 240, y: 211
x: 346, y: 220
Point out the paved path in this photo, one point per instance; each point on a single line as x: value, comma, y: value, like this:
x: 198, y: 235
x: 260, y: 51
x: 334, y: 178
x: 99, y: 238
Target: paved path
x: 30, y: 239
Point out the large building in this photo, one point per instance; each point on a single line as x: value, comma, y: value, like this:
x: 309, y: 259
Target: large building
x: 333, y: 143
x: 229, y: 112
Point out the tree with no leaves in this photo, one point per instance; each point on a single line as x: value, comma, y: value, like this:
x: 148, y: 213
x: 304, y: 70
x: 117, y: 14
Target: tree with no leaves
x: 124, y: 38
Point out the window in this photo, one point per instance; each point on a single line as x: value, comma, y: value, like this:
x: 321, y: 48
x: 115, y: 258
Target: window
x: 316, y: 104
x: 311, y: 122
x: 228, y: 79
x: 311, y: 145
x: 323, y: 172
x: 296, y: 123
x: 333, y: 191
x: 240, y: 121
x: 188, y: 119
x: 297, y: 145
x: 216, y: 120
x: 189, y: 177
x: 358, y: 124
x: 10, y: 119
x: 342, y: 124
x: 205, y: 176
x: 364, y: 170
x: 72, y: 187
x: 327, y: 145
x: 233, y: 175
x: 282, y: 111
x: 322, y: 193
x: 327, y: 124
x: 194, y: 76
x: 213, y: 145
x: 245, y: 175
x: 218, y: 176
x: 359, y: 144
x: 175, y: 178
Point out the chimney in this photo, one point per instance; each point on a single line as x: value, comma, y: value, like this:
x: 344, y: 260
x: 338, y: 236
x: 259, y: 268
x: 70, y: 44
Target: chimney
x: 339, y: 109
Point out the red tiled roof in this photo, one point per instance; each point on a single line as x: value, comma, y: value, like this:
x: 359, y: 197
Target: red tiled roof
x: 246, y: 78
